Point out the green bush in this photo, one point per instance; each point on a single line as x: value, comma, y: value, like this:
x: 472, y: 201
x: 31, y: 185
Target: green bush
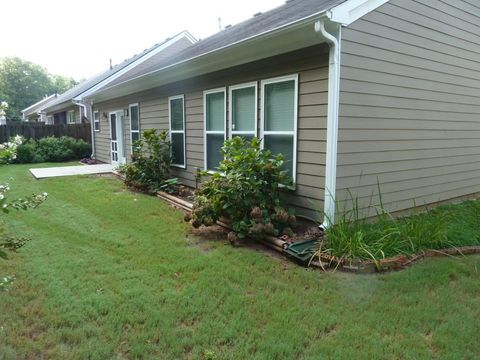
x: 8, y: 150
x: 52, y: 149
x: 151, y: 160
x: 246, y: 191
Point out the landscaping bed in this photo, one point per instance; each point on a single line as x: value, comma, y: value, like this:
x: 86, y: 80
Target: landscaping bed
x: 326, y: 261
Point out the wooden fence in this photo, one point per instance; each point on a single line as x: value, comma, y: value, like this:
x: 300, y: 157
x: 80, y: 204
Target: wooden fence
x: 38, y: 131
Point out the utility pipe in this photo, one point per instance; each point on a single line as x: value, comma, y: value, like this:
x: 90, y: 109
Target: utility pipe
x: 92, y: 133
x: 333, y: 41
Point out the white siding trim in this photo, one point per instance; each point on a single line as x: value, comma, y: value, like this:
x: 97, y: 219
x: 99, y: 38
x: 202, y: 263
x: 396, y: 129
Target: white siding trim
x: 352, y: 10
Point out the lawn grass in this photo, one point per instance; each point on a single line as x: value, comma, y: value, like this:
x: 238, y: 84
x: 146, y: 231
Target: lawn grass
x: 111, y: 274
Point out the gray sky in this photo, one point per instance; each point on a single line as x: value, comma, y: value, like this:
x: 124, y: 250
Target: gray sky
x: 77, y: 39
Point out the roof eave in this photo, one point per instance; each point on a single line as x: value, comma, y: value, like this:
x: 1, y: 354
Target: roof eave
x: 289, y: 37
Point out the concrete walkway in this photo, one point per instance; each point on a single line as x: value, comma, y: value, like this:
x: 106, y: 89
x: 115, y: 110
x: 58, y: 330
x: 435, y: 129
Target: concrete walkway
x: 42, y: 173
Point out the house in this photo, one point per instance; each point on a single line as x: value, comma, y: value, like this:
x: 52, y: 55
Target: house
x: 35, y: 113
x: 68, y: 108
x: 354, y: 93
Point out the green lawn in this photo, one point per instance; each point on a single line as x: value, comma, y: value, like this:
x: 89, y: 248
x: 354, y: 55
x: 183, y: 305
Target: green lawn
x: 110, y: 274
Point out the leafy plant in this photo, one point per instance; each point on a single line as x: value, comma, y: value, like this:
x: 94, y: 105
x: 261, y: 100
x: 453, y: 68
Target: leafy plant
x: 9, y: 150
x: 52, y: 149
x: 356, y: 236
x: 246, y: 191
x: 151, y: 160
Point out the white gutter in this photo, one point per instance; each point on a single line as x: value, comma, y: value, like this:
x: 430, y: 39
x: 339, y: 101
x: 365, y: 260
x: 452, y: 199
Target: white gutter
x: 333, y: 41
x: 91, y: 124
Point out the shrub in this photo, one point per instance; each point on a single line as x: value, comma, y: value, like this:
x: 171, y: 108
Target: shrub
x: 8, y: 150
x: 245, y: 191
x: 52, y: 149
x: 151, y: 160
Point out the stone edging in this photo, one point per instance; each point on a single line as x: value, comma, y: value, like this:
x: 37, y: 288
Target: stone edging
x: 391, y: 264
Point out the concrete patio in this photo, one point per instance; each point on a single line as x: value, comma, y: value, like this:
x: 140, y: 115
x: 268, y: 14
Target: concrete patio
x: 42, y: 173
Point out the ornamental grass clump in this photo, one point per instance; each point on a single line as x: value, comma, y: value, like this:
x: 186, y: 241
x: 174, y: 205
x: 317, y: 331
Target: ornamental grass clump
x: 245, y: 192
x: 356, y: 236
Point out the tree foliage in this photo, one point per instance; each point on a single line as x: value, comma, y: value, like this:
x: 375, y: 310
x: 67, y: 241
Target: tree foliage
x: 23, y: 83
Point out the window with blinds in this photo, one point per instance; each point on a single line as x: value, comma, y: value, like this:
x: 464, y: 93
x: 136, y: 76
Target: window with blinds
x: 279, y: 118
x: 215, y: 119
x: 176, y: 111
x: 243, y: 110
x: 134, y: 114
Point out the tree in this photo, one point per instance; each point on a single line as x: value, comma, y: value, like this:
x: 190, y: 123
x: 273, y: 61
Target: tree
x: 23, y: 83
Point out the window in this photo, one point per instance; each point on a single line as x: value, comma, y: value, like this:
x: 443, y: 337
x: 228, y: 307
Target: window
x: 279, y: 118
x: 214, y: 113
x: 243, y: 110
x: 49, y: 120
x: 176, y: 114
x: 134, y: 123
x: 96, y: 121
x: 71, y: 117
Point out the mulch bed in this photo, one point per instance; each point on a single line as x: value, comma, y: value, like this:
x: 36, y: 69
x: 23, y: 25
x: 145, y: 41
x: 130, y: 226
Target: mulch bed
x: 308, y: 230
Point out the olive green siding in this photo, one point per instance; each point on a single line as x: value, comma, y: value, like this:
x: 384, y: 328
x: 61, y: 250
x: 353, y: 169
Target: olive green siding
x: 312, y: 67
x: 410, y: 103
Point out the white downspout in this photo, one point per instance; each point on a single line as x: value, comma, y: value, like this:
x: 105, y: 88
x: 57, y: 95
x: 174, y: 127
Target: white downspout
x: 332, y: 121
x: 92, y: 134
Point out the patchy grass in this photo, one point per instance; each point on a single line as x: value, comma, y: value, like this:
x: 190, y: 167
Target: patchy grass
x: 111, y: 274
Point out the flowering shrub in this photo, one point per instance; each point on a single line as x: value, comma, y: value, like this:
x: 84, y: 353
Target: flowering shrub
x: 3, y: 108
x: 8, y: 150
x: 3, y: 112
x: 151, y: 160
x: 246, y: 192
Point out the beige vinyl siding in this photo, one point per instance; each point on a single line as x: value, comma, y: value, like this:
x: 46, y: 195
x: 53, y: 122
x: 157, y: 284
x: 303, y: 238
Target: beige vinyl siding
x: 410, y: 104
x: 312, y: 66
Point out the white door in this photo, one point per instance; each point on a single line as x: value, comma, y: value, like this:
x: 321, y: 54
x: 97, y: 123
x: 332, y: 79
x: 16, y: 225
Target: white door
x: 116, y: 134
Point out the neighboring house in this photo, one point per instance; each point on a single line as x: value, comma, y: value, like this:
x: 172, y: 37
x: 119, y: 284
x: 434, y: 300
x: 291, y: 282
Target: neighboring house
x: 69, y: 107
x: 35, y: 112
x: 354, y: 93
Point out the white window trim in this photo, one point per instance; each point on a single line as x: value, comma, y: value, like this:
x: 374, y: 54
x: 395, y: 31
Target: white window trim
x: 130, y: 121
x: 231, y: 89
x: 170, y: 132
x: 49, y: 120
x: 69, y: 118
x: 208, y: 132
x: 96, y: 121
x: 295, y: 120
